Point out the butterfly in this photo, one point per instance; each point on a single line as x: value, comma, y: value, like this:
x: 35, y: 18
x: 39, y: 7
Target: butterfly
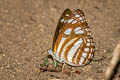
x: 72, y: 42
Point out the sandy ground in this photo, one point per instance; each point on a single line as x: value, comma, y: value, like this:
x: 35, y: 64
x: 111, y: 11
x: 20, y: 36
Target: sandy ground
x: 27, y: 28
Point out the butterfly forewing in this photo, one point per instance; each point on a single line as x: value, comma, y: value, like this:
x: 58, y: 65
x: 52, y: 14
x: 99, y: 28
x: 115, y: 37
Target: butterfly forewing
x: 65, y: 16
x: 72, y: 41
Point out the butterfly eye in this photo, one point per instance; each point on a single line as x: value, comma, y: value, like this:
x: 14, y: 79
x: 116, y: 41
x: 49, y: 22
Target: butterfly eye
x: 72, y: 42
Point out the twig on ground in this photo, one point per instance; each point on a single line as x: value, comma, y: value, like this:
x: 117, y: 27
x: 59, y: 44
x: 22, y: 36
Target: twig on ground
x: 113, y: 63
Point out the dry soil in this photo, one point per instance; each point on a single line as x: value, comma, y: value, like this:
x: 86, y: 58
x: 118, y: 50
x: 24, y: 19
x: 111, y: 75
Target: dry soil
x: 27, y: 28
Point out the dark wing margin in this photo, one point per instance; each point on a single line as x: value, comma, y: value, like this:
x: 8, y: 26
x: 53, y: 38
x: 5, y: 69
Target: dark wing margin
x: 60, y: 24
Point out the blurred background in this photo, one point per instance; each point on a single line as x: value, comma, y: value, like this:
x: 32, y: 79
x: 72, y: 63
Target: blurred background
x: 27, y: 28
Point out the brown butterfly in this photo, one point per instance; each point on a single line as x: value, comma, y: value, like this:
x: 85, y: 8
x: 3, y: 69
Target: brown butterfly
x: 72, y: 42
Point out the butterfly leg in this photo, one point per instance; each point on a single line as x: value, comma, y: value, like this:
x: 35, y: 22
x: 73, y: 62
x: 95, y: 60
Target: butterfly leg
x: 63, y: 67
x: 55, y: 63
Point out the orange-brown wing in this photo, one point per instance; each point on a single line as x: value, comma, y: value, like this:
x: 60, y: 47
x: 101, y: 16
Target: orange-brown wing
x: 65, y: 16
x: 74, y: 37
x: 73, y: 28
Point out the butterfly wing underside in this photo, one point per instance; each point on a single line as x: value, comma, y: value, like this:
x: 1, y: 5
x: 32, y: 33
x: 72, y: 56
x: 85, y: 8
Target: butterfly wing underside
x: 72, y: 42
x: 60, y: 25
